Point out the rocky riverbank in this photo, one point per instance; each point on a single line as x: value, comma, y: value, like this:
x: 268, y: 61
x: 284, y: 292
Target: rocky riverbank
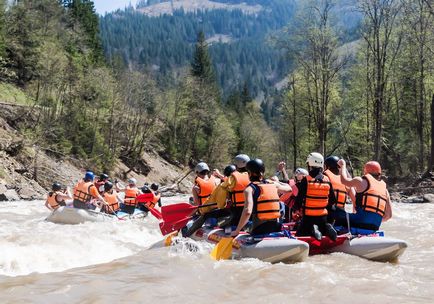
x: 27, y: 169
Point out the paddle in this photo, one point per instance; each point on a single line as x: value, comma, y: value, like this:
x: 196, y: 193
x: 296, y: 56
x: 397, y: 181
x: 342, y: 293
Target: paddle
x: 168, y: 227
x: 176, y: 212
x: 223, y: 249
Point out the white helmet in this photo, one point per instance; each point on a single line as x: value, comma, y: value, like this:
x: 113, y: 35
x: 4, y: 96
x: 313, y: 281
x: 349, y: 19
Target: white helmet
x: 241, y: 160
x: 301, y: 171
x: 315, y: 160
x: 201, y: 167
x: 132, y: 181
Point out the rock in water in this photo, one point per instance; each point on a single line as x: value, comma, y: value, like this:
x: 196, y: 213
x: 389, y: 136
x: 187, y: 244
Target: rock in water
x: 9, y: 195
x: 428, y: 198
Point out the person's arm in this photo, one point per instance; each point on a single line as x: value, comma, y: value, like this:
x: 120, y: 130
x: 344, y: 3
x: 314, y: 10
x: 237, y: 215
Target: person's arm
x: 332, y: 197
x: 388, y: 211
x: 357, y: 183
x: 195, y: 192
x: 95, y: 193
x: 301, y: 195
x: 247, y: 211
x: 64, y: 196
x: 217, y: 174
x: 281, y: 167
x: 283, y: 187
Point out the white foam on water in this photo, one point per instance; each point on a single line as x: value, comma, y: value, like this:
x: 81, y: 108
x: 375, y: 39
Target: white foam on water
x: 30, y: 244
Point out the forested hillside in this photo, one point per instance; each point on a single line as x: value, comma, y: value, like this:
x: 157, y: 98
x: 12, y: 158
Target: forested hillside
x: 364, y: 99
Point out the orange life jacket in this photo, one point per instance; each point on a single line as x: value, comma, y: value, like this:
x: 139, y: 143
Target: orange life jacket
x: 130, y: 196
x: 206, y: 187
x: 52, y: 200
x: 237, y: 194
x: 266, y: 206
x: 150, y: 199
x: 375, y: 197
x: 317, y: 196
x: 82, y: 191
x: 112, y: 201
x: 339, y: 189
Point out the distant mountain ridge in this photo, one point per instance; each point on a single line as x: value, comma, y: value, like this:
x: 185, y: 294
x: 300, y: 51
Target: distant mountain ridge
x: 157, y: 37
x: 168, y: 7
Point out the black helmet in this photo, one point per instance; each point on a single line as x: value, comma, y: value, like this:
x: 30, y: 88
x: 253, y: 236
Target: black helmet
x: 155, y: 186
x: 145, y: 189
x: 103, y: 176
x: 229, y: 170
x: 255, y: 166
x: 331, y: 162
x: 56, y: 187
x: 108, y: 186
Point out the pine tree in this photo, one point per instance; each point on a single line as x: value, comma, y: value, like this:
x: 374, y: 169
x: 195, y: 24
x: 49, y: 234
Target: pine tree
x: 201, y: 67
x: 2, y: 27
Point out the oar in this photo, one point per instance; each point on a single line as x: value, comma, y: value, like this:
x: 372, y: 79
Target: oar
x: 155, y: 213
x: 172, y: 213
x: 168, y: 227
x: 223, y: 249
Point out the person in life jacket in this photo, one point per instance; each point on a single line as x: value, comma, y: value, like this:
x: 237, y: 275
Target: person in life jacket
x: 84, y: 191
x: 149, y: 198
x: 372, y: 197
x: 111, y: 197
x: 342, y: 193
x: 215, y: 206
x: 204, y: 184
x: 288, y: 198
x: 315, y: 198
x: 56, y: 198
x: 261, y: 202
x: 131, y: 192
x: 99, y: 184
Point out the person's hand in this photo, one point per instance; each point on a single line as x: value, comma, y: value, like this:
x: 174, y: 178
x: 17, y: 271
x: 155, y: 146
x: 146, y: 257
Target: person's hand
x: 341, y: 163
x: 281, y: 166
x: 235, y: 233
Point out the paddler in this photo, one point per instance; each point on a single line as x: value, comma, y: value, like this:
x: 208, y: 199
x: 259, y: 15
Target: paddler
x: 204, y: 184
x: 372, y: 197
x: 99, y: 184
x: 288, y: 198
x: 315, y: 199
x: 131, y: 192
x: 56, y: 197
x: 111, y: 197
x: 149, y: 198
x: 84, y: 191
x: 342, y: 193
x: 261, y: 202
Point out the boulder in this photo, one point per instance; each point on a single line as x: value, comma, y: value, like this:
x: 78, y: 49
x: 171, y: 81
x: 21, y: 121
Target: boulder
x: 413, y: 200
x: 428, y: 198
x: 9, y: 195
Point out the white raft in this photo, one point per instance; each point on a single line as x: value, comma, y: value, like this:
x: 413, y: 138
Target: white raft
x: 382, y: 249
x: 74, y: 216
x: 268, y: 249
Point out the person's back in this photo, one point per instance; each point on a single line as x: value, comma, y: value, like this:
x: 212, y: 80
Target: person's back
x: 130, y: 200
x: 372, y: 198
x: 315, y: 197
x: 266, y: 209
x: 111, y: 197
x: 56, y: 198
x: 84, y: 191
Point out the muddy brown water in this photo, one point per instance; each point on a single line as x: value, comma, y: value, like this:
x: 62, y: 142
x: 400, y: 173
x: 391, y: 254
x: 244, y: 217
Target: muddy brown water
x: 108, y: 262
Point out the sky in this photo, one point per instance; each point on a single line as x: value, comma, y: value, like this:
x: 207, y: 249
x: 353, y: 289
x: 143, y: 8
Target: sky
x: 103, y: 6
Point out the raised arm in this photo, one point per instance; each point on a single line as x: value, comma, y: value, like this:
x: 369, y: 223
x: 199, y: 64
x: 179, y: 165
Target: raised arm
x: 357, y: 183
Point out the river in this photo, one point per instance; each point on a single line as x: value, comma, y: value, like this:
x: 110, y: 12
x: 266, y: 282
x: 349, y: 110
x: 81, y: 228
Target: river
x: 108, y: 262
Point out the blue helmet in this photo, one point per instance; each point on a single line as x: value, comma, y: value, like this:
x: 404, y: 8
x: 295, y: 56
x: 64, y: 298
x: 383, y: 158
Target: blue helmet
x: 89, y: 176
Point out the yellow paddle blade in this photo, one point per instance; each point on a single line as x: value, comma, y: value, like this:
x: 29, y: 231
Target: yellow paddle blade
x: 223, y: 249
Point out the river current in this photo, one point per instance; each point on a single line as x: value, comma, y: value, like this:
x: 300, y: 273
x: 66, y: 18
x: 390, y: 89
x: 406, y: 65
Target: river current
x: 42, y: 262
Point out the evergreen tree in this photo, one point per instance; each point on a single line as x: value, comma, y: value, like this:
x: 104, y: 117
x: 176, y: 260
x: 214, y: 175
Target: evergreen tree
x: 201, y: 66
x: 2, y: 27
